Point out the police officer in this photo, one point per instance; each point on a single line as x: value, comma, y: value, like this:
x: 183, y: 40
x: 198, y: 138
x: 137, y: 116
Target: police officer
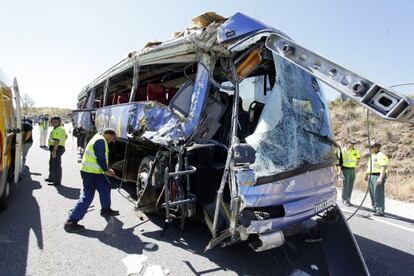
x: 57, y: 140
x: 27, y: 138
x: 376, y: 176
x: 350, y: 157
x: 93, y: 169
x: 43, y: 127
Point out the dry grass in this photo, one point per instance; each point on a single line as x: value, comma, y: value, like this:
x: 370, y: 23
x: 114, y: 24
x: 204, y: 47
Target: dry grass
x: 349, y: 120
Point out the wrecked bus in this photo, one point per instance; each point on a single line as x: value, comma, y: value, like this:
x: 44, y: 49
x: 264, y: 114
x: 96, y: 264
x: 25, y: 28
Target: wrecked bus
x: 227, y: 122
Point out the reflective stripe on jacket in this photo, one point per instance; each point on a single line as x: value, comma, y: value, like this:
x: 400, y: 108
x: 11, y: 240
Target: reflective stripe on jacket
x: 58, y: 133
x: 378, y: 160
x: 350, y: 157
x: 89, y: 161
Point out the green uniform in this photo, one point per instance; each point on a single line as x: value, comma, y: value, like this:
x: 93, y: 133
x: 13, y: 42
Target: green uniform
x: 350, y: 158
x: 376, y: 191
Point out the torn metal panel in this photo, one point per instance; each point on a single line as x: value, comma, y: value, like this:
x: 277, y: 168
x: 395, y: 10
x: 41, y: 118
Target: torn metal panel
x: 168, y: 126
x: 289, y: 189
x: 156, y: 122
x: 198, y: 98
x: 180, y: 50
x: 116, y: 117
x: 276, y: 224
x: 239, y: 25
x: 82, y: 120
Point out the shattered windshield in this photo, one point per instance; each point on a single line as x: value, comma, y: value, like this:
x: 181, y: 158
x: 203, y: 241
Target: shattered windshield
x: 292, y: 124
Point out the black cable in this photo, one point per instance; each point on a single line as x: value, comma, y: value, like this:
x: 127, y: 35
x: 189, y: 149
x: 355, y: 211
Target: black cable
x: 370, y: 170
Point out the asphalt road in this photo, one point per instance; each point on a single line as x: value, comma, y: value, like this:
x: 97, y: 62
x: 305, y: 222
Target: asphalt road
x: 33, y: 242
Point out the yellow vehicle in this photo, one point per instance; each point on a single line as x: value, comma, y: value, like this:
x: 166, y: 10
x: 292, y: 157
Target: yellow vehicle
x: 10, y: 137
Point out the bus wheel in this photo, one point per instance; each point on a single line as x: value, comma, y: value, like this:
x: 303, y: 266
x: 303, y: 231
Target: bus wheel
x: 146, y: 197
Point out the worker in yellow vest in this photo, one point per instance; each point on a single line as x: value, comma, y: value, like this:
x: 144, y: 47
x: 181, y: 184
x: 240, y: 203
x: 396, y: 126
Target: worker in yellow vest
x: 93, y: 169
x: 57, y: 139
x: 43, y: 127
x: 350, y: 158
x: 376, y: 174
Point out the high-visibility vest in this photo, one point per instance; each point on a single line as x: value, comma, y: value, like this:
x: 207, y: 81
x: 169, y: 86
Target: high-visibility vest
x: 58, y: 133
x: 350, y: 157
x: 44, y: 124
x: 89, y: 161
x: 379, y: 160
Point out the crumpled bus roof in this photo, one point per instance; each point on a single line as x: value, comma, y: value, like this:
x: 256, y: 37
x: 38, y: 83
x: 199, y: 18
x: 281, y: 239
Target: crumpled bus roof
x: 182, y: 49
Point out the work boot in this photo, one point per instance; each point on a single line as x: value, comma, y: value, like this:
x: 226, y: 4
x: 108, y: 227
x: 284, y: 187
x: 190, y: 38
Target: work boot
x: 109, y: 212
x: 378, y: 214
x: 347, y: 203
x: 73, y: 227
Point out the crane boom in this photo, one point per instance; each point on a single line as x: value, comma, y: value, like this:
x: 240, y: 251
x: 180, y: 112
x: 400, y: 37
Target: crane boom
x: 381, y: 100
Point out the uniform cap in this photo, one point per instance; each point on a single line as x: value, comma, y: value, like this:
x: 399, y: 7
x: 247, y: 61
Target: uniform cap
x: 352, y: 141
x: 374, y: 143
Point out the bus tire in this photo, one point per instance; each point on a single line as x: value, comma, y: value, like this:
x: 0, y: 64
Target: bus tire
x: 145, y: 201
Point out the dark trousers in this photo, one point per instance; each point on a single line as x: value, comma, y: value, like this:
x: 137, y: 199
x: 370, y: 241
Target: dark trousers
x: 91, y: 183
x: 377, y: 193
x: 55, y: 166
x: 349, y: 179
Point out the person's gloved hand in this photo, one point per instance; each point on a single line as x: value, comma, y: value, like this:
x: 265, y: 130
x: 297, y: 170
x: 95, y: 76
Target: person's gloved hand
x: 110, y: 172
x: 53, y: 154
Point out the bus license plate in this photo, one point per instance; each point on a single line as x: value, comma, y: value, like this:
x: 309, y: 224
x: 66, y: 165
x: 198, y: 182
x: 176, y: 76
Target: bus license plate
x: 323, y: 205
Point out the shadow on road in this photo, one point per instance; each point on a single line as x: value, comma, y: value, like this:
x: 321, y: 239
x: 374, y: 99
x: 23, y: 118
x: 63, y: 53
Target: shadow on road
x: 16, y: 223
x: 123, y: 239
x: 387, y: 215
x: 68, y: 192
x: 384, y: 260
x: 290, y: 259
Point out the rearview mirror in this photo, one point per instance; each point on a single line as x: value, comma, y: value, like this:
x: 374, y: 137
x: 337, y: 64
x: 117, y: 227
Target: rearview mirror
x: 244, y: 154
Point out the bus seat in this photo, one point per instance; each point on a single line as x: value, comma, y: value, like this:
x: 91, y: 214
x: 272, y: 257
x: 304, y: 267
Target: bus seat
x: 122, y: 99
x: 255, y: 110
x: 156, y: 92
x: 113, y: 101
x: 141, y: 94
x: 100, y: 99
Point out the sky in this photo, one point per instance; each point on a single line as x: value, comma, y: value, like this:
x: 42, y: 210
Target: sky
x: 55, y: 48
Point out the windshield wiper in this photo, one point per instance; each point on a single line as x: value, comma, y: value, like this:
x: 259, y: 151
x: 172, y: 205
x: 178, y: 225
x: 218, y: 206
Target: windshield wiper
x: 324, y: 138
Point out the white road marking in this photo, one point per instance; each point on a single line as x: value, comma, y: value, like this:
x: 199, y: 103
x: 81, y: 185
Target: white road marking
x: 382, y: 221
x: 393, y: 224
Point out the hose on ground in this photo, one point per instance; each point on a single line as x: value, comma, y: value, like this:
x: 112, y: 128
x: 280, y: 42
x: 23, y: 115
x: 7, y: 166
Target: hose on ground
x: 370, y: 169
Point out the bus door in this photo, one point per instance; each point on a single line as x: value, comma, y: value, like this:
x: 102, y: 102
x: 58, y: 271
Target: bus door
x: 18, y: 146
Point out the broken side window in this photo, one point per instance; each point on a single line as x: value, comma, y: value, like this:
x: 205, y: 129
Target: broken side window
x: 99, y: 95
x: 119, y: 89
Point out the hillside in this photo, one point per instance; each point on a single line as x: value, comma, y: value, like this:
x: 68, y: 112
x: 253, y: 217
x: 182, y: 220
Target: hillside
x: 397, y: 139
x: 51, y: 111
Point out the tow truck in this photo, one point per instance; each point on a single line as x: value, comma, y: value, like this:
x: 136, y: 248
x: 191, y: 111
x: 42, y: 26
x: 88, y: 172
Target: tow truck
x: 228, y: 123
